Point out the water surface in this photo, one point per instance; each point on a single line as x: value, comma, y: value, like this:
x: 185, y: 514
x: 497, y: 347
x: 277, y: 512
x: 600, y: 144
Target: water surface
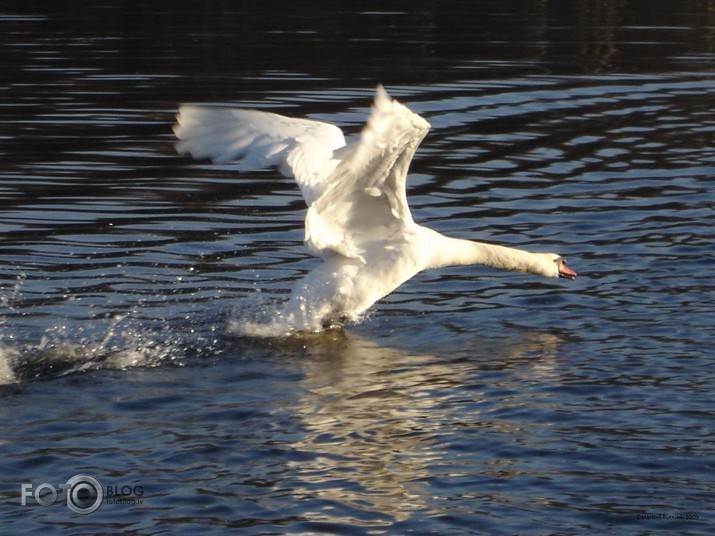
x: 469, y: 400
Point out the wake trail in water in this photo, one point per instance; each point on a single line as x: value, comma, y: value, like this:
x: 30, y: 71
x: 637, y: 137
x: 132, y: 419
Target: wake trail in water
x: 125, y: 344
x: 141, y: 337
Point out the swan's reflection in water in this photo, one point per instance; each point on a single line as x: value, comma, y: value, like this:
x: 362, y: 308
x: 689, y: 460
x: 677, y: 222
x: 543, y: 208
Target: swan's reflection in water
x: 375, y: 417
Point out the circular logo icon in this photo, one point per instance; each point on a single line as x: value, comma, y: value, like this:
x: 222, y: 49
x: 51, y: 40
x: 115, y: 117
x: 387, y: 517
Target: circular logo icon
x: 84, y: 494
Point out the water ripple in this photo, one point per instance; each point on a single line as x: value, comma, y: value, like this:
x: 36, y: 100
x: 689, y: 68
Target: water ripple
x: 467, y: 401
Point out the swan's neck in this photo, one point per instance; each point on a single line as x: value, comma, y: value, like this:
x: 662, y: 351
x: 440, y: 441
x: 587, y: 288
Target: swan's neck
x: 456, y: 252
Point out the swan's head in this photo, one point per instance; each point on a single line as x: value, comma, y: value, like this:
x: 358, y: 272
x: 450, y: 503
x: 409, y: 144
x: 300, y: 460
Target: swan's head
x: 553, y: 265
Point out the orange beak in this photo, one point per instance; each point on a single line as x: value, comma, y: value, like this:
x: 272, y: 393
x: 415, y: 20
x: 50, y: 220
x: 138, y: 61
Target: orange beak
x: 565, y: 271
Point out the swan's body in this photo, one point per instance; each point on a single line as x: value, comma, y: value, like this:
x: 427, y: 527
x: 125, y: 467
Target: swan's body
x: 358, y: 218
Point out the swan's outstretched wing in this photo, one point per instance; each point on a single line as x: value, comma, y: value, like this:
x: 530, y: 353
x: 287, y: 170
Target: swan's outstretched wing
x: 364, y: 203
x: 355, y: 193
x: 299, y: 148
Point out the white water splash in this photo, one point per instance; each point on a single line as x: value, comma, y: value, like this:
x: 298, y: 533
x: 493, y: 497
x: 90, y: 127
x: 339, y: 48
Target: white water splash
x: 7, y: 357
x: 60, y: 353
x: 261, y: 320
x: 273, y: 319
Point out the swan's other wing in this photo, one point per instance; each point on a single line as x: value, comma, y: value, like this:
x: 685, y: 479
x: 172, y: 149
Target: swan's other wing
x: 299, y: 148
x: 364, y: 201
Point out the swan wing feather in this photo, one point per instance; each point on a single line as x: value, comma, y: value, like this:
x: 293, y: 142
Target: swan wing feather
x: 355, y: 193
x: 299, y: 148
x: 364, y: 201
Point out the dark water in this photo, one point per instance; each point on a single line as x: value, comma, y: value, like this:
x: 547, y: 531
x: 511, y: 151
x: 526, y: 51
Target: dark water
x: 469, y: 401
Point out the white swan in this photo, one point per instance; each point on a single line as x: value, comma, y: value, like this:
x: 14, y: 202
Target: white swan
x: 358, y: 219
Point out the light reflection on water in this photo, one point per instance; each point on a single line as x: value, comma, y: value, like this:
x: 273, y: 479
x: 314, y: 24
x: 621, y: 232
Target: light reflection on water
x: 381, y: 412
x: 469, y: 400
